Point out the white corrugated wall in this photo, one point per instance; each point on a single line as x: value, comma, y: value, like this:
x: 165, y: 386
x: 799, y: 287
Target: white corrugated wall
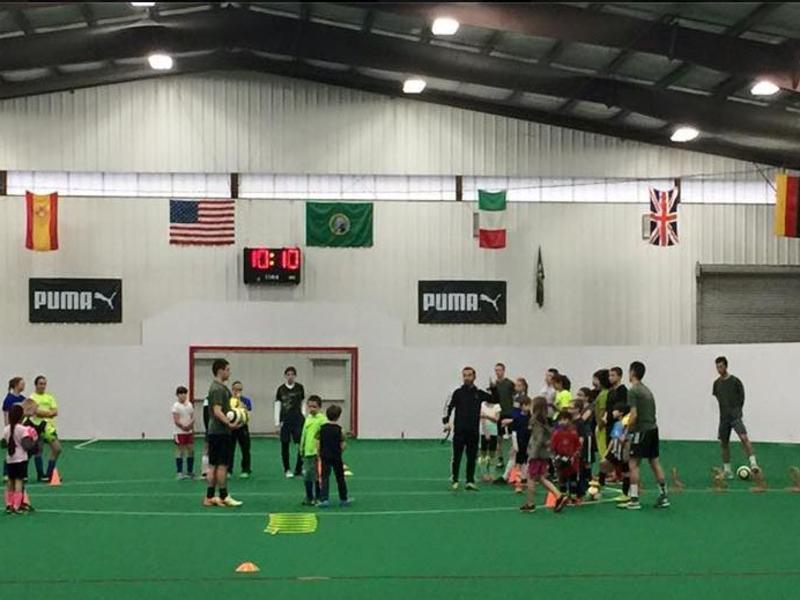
x: 604, y: 285
x: 250, y: 123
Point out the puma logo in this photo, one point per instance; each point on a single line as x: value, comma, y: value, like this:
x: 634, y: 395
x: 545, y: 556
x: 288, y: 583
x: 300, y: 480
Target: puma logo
x: 109, y: 301
x: 485, y: 298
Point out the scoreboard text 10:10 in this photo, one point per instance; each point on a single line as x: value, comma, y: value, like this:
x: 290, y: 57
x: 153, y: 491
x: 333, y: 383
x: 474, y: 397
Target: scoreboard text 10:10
x: 272, y: 265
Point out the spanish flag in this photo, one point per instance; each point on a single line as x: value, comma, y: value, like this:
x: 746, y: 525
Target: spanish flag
x: 42, y: 212
x: 787, y: 206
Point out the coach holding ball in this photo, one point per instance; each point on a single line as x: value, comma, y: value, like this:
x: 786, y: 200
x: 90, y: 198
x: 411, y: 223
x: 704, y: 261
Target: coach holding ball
x: 220, y: 440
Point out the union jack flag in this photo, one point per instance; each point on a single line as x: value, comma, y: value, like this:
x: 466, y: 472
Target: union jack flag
x: 664, y: 216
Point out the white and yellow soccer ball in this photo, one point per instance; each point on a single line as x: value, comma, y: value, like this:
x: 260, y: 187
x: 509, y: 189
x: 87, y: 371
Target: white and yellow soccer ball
x: 744, y: 473
x: 238, y: 415
x: 594, y: 493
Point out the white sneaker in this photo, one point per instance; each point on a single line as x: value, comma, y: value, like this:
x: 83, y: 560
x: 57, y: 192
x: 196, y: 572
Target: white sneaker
x: 727, y: 474
x: 289, y: 475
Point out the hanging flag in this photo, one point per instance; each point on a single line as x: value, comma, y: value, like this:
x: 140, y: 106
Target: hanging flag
x: 664, y: 216
x: 787, y: 206
x: 42, y: 221
x: 492, y: 211
x: 339, y: 224
x: 202, y: 222
x: 540, y: 280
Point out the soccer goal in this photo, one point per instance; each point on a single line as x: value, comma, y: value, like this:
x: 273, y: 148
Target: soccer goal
x: 329, y: 372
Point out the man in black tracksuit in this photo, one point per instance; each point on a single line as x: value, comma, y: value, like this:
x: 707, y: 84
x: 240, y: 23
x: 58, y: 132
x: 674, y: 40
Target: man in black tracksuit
x: 466, y: 401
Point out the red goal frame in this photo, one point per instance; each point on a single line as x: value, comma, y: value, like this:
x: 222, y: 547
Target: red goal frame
x: 350, y: 350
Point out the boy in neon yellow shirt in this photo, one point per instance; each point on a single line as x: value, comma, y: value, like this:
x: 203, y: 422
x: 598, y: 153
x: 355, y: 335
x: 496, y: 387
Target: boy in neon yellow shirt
x: 45, y: 422
x: 308, y: 449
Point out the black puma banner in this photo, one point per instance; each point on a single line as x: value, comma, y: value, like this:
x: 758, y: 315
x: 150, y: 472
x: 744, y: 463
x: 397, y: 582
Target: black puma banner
x: 462, y: 302
x: 75, y: 300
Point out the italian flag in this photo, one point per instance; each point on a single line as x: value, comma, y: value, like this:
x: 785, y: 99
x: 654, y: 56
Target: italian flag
x: 492, y: 218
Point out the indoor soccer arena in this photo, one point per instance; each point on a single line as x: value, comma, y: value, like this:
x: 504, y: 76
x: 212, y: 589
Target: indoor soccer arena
x: 360, y: 300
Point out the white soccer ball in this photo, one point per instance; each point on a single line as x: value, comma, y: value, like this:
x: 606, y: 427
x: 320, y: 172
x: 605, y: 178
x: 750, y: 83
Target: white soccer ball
x: 234, y: 416
x: 743, y: 472
x: 594, y: 493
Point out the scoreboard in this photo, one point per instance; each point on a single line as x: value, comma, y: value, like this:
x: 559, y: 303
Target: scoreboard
x: 272, y: 265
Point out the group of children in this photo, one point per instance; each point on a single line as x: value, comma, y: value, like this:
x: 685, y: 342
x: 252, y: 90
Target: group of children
x: 29, y: 424
x: 555, y: 436
x: 321, y: 446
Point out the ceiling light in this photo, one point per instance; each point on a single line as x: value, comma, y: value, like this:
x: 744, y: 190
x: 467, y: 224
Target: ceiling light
x: 413, y: 86
x: 142, y: 4
x: 160, y: 62
x: 444, y: 26
x: 764, y: 88
x: 684, y: 134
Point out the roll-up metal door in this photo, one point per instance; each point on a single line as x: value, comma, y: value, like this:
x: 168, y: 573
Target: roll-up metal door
x: 747, y: 304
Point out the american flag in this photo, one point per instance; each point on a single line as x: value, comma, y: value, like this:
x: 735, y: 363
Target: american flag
x: 664, y: 216
x: 202, y: 222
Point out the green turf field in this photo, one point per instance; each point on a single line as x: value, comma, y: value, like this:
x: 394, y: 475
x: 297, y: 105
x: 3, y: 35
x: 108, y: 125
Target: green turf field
x: 120, y: 527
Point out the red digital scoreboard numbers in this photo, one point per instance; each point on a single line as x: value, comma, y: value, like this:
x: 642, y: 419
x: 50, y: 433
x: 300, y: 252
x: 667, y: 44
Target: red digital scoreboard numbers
x: 272, y: 265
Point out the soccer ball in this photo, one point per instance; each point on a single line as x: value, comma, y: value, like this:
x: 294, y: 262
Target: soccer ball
x: 237, y: 415
x: 594, y: 493
x: 743, y: 472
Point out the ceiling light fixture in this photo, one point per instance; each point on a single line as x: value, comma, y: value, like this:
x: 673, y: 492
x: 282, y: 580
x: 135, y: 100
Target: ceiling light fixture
x: 684, y: 134
x: 444, y: 26
x: 764, y: 87
x: 160, y: 61
x: 142, y: 4
x: 413, y: 86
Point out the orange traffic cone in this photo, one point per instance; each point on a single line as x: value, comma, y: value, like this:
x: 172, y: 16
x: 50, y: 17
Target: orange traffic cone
x: 247, y: 567
x: 550, y: 501
x: 55, y: 479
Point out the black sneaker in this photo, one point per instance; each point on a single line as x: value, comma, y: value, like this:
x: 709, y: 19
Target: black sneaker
x: 9, y: 510
x: 561, y: 503
x: 528, y: 508
x: 27, y: 508
x: 662, y: 502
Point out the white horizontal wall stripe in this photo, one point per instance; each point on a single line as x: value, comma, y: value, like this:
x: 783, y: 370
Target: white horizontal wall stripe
x: 732, y: 190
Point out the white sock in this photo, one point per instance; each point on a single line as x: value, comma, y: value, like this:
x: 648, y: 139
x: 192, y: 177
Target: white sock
x: 205, y: 464
x: 634, y: 490
x: 753, y: 462
x: 727, y: 467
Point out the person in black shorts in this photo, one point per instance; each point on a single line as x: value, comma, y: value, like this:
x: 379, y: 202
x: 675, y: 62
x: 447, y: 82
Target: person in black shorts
x: 643, y: 434
x: 220, y: 440
x: 289, y: 418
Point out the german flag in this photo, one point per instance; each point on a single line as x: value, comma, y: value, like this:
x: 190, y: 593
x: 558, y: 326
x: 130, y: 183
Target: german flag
x: 42, y: 212
x: 787, y: 206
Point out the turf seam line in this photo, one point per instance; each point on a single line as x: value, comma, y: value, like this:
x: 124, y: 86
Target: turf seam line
x: 83, y: 445
x: 409, y: 577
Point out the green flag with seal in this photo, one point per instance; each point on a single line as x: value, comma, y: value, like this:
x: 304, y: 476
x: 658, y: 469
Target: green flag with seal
x: 339, y: 224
